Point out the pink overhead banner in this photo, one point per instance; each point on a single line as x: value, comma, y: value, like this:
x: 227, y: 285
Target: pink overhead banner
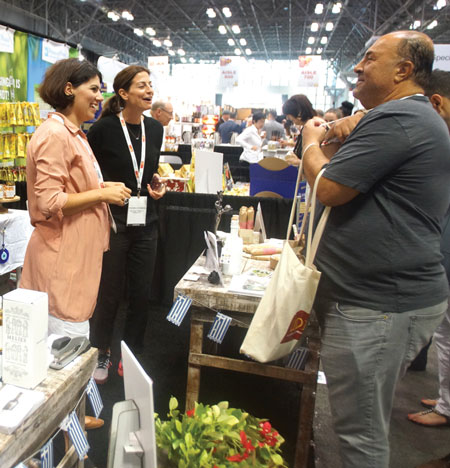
x: 309, y: 66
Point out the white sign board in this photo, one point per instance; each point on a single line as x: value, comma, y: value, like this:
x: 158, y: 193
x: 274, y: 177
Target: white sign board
x: 442, y: 57
x: 229, y: 73
x: 208, y: 171
x: 309, y: 67
x: 54, y: 51
x: 109, y: 68
x: 6, y: 40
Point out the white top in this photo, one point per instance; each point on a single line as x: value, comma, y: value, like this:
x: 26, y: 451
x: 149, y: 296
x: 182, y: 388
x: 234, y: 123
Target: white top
x: 248, y: 138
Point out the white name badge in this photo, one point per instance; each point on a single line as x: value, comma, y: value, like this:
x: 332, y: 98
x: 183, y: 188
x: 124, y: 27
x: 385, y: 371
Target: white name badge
x: 137, y: 211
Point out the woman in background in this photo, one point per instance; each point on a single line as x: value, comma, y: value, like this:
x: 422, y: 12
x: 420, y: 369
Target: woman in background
x: 250, y: 139
x: 67, y: 200
x: 127, y: 146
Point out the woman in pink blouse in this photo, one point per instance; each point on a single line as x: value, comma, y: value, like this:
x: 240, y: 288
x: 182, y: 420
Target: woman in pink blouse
x: 67, y: 200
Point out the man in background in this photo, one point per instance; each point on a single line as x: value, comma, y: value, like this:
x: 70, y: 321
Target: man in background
x: 162, y: 112
x: 229, y: 127
x: 346, y: 108
x: 224, y: 118
x: 272, y: 127
x: 377, y: 303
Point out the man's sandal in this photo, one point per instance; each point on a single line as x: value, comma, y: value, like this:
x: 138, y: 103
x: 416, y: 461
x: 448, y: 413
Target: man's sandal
x: 429, y: 418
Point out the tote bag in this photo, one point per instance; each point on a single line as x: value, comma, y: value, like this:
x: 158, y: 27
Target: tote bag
x: 283, y: 312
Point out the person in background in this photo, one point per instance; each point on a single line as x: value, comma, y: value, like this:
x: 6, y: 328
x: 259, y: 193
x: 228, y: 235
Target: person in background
x: 320, y: 113
x: 250, y: 139
x: 68, y: 202
x: 272, y: 127
x: 162, y: 111
x: 378, y: 305
x: 346, y: 108
x: 438, y: 91
x: 229, y: 127
x: 298, y: 109
x: 127, y: 146
x: 332, y: 114
x: 224, y: 117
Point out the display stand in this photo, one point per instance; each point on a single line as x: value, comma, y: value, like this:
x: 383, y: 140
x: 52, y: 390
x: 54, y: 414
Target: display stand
x: 4, y: 209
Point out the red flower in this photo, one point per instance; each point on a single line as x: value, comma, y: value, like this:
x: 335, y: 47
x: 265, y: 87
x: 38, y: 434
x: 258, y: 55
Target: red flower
x: 246, y: 442
x: 190, y: 413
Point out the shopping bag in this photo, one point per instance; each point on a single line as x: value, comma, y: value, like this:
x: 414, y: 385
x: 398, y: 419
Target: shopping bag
x: 283, y: 312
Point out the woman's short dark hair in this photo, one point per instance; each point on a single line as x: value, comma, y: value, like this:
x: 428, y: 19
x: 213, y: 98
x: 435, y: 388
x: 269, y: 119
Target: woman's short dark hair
x: 122, y: 80
x: 299, y: 106
x: 59, y: 74
x: 258, y: 116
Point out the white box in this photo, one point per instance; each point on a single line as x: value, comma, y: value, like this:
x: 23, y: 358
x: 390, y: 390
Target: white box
x: 25, y: 328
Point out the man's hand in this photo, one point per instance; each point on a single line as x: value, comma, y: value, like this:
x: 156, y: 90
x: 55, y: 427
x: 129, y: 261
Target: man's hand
x: 313, y: 132
x: 342, y: 128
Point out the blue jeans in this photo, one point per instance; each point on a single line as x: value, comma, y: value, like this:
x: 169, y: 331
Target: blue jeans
x: 363, y: 354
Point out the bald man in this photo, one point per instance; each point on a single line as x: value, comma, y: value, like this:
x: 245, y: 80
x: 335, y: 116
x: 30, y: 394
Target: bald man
x: 383, y: 290
x: 162, y: 112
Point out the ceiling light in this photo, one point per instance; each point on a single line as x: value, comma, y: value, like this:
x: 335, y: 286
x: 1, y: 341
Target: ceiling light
x: 324, y: 40
x: 248, y: 51
x: 415, y: 25
x: 243, y: 41
x: 167, y: 42
x: 319, y: 9
x: 181, y: 52
x: 127, y: 15
x: 183, y: 59
x: 222, y: 29
x: 439, y: 4
x: 329, y: 26
x: 314, y: 27
x: 308, y: 50
x: 319, y: 50
x: 236, y: 29
x: 237, y: 51
x: 336, y: 8
x: 231, y: 42
x: 138, y: 32
x: 112, y: 15
x: 192, y: 59
x: 150, y: 31
x: 157, y: 43
x: 432, y: 25
x: 311, y: 40
x: 226, y: 11
x: 171, y: 52
x: 211, y: 13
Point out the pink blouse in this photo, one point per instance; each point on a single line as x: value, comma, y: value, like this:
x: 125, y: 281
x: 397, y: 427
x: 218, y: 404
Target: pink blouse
x: 64, y: 255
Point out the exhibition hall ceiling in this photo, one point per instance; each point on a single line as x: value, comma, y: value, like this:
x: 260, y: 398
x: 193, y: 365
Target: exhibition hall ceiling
x: 196, y: 31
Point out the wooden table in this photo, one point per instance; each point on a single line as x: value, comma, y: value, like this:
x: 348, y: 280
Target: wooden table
x: 63, y: 390
x: 241, y: 309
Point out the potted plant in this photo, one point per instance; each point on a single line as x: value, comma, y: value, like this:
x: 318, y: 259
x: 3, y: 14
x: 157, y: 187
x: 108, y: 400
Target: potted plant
x: 217, y: 437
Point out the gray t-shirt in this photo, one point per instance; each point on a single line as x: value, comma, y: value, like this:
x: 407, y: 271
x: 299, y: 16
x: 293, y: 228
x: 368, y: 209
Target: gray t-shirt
x: 381, y: 250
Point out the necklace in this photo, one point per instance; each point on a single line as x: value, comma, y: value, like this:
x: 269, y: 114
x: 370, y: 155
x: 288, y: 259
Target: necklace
x: 133, y: 135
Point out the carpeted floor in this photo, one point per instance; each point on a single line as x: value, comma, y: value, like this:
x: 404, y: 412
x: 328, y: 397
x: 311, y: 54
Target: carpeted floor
x: 165, y: 358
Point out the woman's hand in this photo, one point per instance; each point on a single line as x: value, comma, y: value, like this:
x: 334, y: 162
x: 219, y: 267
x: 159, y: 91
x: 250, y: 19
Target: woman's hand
x: 157, y: 188
x: 116, y: 193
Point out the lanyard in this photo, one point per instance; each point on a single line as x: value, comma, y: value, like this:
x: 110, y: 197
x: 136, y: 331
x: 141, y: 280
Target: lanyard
x: 89, y: 150
x: 138, y: 173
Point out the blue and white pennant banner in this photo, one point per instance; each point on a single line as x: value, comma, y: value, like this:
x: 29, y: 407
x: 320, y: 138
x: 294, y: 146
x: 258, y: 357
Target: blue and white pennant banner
x: 47, y: 455
x: 77, y: 436
x: 179, y: 309
x: 219, y: 328
x: 94, y: 397
x: 298, y: 358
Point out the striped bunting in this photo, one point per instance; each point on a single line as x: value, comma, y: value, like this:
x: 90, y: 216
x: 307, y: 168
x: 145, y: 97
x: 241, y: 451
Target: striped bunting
x: 77, y: 436
x: 179, y: 309
x: 298, y: 358
x: 94, y: 397
x: 219, y: 328
x: 47, y: 455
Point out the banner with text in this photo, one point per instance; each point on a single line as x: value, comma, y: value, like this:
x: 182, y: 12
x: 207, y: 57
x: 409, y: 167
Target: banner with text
x: 229, y: 73
x: 442, y: 57
x: 309, y: 66
x: 13, y: 70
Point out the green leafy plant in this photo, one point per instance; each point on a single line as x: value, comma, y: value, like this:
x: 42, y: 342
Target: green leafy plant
x: 218, y: 437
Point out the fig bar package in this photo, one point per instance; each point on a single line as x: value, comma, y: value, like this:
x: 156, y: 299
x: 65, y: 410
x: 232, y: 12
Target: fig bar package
x: 25, y: 324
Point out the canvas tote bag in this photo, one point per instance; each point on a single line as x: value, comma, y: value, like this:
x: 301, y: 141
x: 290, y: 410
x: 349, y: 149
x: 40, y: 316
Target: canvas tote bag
x: 284, y: 309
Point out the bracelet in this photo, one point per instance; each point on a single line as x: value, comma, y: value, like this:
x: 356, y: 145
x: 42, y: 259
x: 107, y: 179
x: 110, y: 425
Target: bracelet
x: 307, y: 148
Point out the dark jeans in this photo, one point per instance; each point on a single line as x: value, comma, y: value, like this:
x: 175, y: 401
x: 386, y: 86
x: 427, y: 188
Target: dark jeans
x: 132, y: 255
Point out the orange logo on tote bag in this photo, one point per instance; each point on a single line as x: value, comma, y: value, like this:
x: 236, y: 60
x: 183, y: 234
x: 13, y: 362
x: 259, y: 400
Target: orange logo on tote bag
x: 296, y: 327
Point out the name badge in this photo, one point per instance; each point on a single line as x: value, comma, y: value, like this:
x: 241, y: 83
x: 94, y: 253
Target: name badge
x: 137, y: 211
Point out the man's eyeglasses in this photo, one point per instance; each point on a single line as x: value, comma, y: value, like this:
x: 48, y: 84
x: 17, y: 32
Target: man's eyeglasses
x: 165, y: 110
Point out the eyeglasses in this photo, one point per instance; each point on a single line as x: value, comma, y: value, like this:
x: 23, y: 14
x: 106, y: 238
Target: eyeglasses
x: 165, y: 110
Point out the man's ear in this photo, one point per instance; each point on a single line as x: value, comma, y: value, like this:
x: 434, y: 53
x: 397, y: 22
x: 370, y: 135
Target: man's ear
x: 437, y: 102
x: 404, y: 70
